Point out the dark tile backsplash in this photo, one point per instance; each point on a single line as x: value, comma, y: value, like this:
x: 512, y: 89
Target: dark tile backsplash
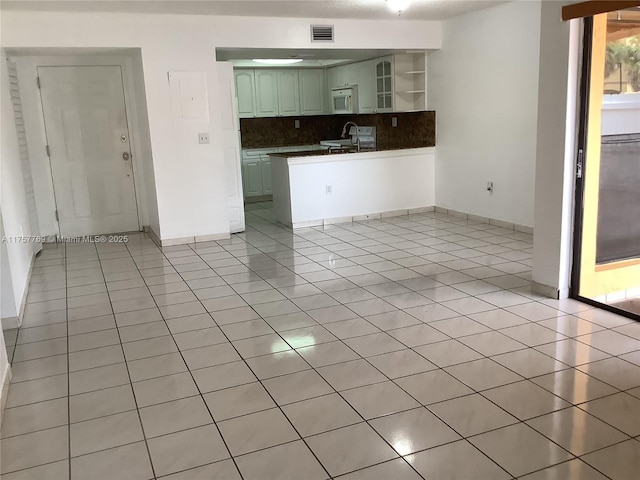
x: 414, y: 130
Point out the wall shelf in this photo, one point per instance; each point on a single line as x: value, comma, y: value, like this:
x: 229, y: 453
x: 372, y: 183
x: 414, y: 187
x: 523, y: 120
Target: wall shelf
x: 410, y: 82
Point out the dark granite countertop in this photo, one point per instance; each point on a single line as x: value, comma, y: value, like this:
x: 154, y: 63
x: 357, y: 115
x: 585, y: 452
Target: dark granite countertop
x: 342, y: 151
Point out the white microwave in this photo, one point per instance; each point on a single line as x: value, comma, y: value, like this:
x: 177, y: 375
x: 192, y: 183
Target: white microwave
x: 344, y: 99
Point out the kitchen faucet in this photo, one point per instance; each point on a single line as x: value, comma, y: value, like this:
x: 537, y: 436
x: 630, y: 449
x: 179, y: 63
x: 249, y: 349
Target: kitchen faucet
x: 344, y: 133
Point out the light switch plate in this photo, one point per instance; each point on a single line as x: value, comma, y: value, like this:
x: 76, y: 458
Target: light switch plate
x: 394, y: 121
x: 203, y: 138
x: 296, y: 123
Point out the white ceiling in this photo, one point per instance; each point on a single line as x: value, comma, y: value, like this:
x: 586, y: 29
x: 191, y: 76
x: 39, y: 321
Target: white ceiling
x: 354, y: 9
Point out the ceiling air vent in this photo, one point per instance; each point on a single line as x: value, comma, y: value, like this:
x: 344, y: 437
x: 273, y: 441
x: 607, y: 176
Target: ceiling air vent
x: 322, y: 33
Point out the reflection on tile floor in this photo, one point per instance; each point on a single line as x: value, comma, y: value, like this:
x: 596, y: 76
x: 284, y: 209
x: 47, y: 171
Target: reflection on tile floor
x: 408, y: 347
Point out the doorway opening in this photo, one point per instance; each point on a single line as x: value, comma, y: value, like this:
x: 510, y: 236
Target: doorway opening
x: 86, y: 126
x: 606, y: 267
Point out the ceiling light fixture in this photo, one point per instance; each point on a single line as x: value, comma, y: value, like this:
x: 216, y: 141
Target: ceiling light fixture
x: 277, y: 61
x: 398, y: 5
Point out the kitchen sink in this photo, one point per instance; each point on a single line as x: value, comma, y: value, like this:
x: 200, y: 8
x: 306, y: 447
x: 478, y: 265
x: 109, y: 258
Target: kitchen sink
x: 341, y: 142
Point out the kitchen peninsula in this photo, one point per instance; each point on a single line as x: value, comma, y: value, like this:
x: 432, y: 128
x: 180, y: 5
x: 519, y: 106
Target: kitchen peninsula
x: 319, y: 188
x: 311, y: 186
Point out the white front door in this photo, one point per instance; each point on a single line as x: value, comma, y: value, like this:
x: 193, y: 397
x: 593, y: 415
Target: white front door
x: 89, y: 146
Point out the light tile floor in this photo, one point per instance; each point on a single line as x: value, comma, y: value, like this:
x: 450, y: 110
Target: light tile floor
x: 403, y: 348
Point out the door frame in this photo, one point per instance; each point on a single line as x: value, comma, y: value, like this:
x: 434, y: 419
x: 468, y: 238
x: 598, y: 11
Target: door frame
x: 40, y: 140
x: 581, y: 156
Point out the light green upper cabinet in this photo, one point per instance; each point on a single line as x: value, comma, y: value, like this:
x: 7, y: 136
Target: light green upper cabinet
x: 288, y: 92
x: 337, y: 77
x: 311, y: 91
x: 366, y: 86
x: 351, y: 74
x: 245, y: 93
x: 395, y: 83
x: 266, y: 93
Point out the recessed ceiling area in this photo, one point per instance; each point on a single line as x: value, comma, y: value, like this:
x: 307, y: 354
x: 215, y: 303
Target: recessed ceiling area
x: 319, y: 57
x: 354, y: 9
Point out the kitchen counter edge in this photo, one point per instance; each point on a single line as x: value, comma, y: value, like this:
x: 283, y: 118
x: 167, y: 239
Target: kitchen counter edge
x: 311, y: 156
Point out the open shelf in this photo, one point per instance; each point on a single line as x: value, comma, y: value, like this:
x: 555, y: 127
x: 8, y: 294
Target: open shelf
x: 414, y: 72
x: 413, y: 91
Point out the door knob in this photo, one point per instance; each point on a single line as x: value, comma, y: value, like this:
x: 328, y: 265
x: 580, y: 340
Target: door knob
x: 125, y: 156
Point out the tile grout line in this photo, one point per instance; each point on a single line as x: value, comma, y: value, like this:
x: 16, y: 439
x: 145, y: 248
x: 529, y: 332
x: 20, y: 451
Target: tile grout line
x: 353, y: 388
x: 66, y: 291
x: 388, y: 379
x: 399, y: 386
x: 278, y: 406
x: 135, y: 399
x: 479, y: 392
x: 529, y: 347
x: 188, y: 370
x: 355, y: 336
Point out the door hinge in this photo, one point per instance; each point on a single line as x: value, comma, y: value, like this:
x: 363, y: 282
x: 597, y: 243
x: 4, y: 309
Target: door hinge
x: 579, y: 163
x: 48, y: 151
x: 38, y: 81
x: 57, y: 217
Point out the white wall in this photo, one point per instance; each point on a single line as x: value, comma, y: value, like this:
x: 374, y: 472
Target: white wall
x: 36, y: 141
x: 190, y: 178
x: 7, y: 310
x: 13, y: 203
x: 5, y: 374
x: 15, y: 258
x: 621, y: 114
x: 146, y: 184
x: 483, y: 85
x: 560, y: 50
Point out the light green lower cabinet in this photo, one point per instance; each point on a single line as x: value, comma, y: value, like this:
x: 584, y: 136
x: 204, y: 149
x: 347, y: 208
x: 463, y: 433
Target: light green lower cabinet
x: 252, y: 178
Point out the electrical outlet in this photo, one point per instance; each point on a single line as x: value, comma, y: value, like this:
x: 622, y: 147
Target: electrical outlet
x: 329, y: 189
x: 296, y: 123
x: 394, y: 121
x: 490, y: 186
x: 203, y: 138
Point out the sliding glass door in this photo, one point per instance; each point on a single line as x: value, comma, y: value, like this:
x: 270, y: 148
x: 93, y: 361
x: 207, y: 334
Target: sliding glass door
x: 607, y: 228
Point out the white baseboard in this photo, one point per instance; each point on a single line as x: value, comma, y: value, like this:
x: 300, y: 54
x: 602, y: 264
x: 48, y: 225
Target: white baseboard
x: 9, y: 323
x: 421, y: 210
x: 152, y: 233
x: 491, y: 221
x: 397, y: 213
x: 360, y: 218
x: 307, y: 224
x: 213, y: 237
x: 394, y: 213
x: 371, y: 216
x: 338, y: 220
x: 549, y: 291
x: 4, y: 391
x: 170, y: 242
